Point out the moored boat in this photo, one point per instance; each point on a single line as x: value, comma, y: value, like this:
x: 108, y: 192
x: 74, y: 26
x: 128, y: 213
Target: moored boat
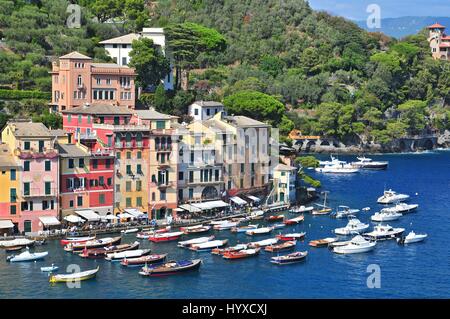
x: 344, y: 211
x: 383, y: 232
x: 162, y: 237
x: 385, y: 216
x: 127, y: 254
x: 357, y: 245
x: 278, y: 225
x: 195, y: 229
x: 14, y: 248
x: 400, y: 208
x: 412, y: 237
x: 390, y: 197
x: 295, y: 220
x: 141, y: 261
x: 27, y: 256
x: 283, y: 246
x: 245, y: 253
x: 22, y: 242
x: 145, y: 234
x: 170, y: 268
x: 292, y: 258
x: 354, y: 226
x: 259, y: 231
x: 209, y: 245
x: 263, y: 243
x: 96, y: 243
x: 199, y: 240
x: 96, y: 253
x: 78, y: 276
x: 243, y: 229
x: 367, y: 163
x: 221, y: 251
x: 225, y: 226
x: 256, y: 215
x: 76, y: 240
x: 275, y: 218
x: 291, y: 236
x: 301, y: 209
x: 322, y: 242
x: 129, y: 231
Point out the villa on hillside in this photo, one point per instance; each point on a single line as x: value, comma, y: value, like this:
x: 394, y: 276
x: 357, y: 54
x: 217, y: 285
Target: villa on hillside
x: 439, y: 42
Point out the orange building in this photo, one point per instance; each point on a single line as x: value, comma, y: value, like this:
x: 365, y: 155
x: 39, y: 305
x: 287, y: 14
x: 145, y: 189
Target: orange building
x: 439, y: 42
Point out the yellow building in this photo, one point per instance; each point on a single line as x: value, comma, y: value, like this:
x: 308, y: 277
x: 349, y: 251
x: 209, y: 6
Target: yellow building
x: 9, y: 179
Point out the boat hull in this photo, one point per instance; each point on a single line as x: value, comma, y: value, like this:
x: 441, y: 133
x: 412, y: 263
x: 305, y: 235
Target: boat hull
x: 141, y: 261
x: 345, y: 251
x: 85, y: 275
x: 167, y: 271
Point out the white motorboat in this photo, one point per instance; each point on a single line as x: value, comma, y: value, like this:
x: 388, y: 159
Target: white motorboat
x: 383, y: 232
x: 263, y: 243
x: 129, y: 231
x: 367, y: 163
x: 338, y: 169
x: 243, y: 229
x: 301, y: 209
x: 354, y: 226
x: 357, y: 245
x: 390, y: 197
x: 385, y: 216
x: 198, y: 240
x: 27, y: 256
x: 334, y: 160
x: 365, y: 209
x: 225, y: 226
x: 209, y: 245
x: 257, y: 214
x: 278, y: 225
x: 412, y: 237
x: 16, y: 243
x: 219, y: 222
x: 259, y: 231
x: 51, y: 268
x: 344, y: 211
x: 127, y: 254
x: 401, y: 208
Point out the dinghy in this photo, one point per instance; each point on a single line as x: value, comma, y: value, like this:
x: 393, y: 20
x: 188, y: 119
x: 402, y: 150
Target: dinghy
x: 245, y: 253
x: 77, y: 276
x: 127, y: 254
x: 27, y: 256
x: 292, y: 258
x: 200, y: 240
x: 259, y: 231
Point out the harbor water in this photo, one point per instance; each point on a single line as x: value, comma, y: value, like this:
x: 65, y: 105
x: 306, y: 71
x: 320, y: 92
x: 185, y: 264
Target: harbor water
x: 419, y: 270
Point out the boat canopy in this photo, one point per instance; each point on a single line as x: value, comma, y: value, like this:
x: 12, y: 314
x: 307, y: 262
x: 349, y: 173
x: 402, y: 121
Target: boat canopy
x: 190, y: 208
x: 133, y: 211
x: 73, y: 219
x: 49, y: 220
x: 88, y: 214
x: 6, y: 224
x: 254, y: 198
x: 211, y: 205
x: 238, y: 200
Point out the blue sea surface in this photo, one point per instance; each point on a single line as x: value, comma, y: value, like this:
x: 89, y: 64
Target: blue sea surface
x: 413, y: 271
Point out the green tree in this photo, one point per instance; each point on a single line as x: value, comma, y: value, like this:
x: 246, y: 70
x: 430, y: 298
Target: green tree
x: 412, y: 114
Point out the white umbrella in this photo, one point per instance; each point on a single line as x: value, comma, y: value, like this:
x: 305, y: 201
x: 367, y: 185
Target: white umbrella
x: 74, y: 219
x: 110, y: 217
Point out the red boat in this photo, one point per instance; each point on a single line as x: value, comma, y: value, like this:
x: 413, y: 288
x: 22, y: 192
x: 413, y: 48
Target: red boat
x: 163, y: 230
x: 275, y: 218
x: 165, y: 237
x: 241, y: 253
x: 286, y: 245
x: 293, y: 236
x: 295, y: 220
x: 75, y: 240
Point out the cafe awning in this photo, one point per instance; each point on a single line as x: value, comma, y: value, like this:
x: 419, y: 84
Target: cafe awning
x: 110, y: 217
x: 133, y: 211
x: 190, y: 208
x: 254, y: 198
x: 49, y: 220
x: 211, y: 205
x: 125, y: 215
x: 6, y: 224
x: 89, y: 215
x: 238, y: 200
x: 74, y: 219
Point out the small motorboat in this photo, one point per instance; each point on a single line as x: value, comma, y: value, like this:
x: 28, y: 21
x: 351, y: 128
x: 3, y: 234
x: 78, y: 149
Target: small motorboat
x: 96, y: 253
x: 199, y: 240
x: 385, y: 216
x: 278, y: 225
x: 163, y: 237
x: 77, y: 276
x: 334, y: 160
x: 209, y: 245
x: 322, y: 242
x: 401, y: 208
x: 353, y: 227
x: 344, y: 211
x: 129, y: 231
x: 219, y: 222
x: 283, y: 246
x: 95, y: 243
x: 145, y: 234
x: 195, y: 229
x: 141, y: 261
x: 339, y: 243
x: 13, y: 249
x: 384, y: 232
x: 76, y: 240
x: 127, y: 254
x: 51, y: 268
x: 225, y: 226
x: 367, y: 163
x: 390, y: 197
x: 170, y: 268
x: 263, y: 243
x: 301, y: 209
x: 256, y: 215
x: 275, y: 218
x: 18, y: 242
x: 27, y: 256
x: 412, y: 237
x: 243, y: 229
x: 291, y: 236
x: 357, y: 245
x: 365, y: 209
x: 292, y: 258
x: 221, y: 251
x: 259, y: 231
x: 245, y: 253
x: 338, y: 169
x: 294, y: 220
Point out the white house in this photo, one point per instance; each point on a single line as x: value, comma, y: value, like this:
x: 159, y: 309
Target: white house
x: 285, y: 177
x: 204, y: 110
x: 119, y: 48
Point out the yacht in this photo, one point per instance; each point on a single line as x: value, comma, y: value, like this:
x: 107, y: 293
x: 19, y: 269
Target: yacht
x: 390, y: 197
x: 357, y: 245
x: 367, y: 163
x: 301, y: 209
x: 385, y: 216
x: 340, y: 168
x: 382, y: 232
x: 354, y: 226
x: 344, y: 211
x: 401, y: 208
x: 334, y: 160
x: 412, y: 237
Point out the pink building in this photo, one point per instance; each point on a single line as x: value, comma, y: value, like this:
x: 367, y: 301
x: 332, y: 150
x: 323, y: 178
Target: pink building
x: 76, y: 80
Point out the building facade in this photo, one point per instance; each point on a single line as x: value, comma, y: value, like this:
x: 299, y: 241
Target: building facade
x: 284, y: 183
x: 77, y: 80
x: 439, y: 42
x: 204, y: 110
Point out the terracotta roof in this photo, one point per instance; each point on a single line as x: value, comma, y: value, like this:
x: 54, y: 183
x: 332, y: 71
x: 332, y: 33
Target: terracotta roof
x: 444, y: 45
x: 99, y: 109
x: 75, y: 55
x: 436, y: 26
x: 124, y: 39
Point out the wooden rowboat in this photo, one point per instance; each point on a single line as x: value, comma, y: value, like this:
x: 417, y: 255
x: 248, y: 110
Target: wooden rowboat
x: 275, y: 218
x: 80, y: 276
x: 295, y: 220
x: 296, y: 257
x: 322, y: 242
x: 283, y: 246
x: 97, y: 243
x: 245, y: 253
x: 293, y: 236
x: 141, y: 261
x: 170, y: 268
x: 102, y: 252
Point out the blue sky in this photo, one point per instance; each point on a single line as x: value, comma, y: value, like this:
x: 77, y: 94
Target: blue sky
x: 356, y: 9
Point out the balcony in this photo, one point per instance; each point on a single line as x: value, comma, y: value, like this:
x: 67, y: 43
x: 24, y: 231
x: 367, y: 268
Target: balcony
x: 164, y: 185
x: 121, y: 127
x: 163, y: 147
x: 35, y: 154
x: 88, y: 137
x: 103, y: 152
x: 132, y: 144
x: 200, y: 182
x: 38, y: 192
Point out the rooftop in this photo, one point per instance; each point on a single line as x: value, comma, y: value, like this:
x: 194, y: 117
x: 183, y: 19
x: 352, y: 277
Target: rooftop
x: 58, y: 133
x: 124, y: 39
x: 153, y: 115
x: 244, y: 121
x: 436, y: 26
x: 75, y: 55
x: 99, y: 109
x: 109, y: 65
x: 71, y: 150
x: 29, y: 129
x: 283, y: 167
x: 208, y: 103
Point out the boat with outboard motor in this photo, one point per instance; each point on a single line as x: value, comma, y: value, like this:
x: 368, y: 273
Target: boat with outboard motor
x: 383, y: 232
x: 357, y: 245
x: 27, y: 256
x: 385, y: 216
x: 354, y: 226
x: 368, y: 163
x: 291, y: 258
x: 389, y: 197
x: 170, y: 268
x: 401, y: 208
x: 344, y: 211
x: 412, y: 237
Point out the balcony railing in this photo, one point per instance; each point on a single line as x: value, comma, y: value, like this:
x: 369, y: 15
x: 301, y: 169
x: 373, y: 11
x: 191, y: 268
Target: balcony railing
x: 90, y: 136
x: 132, y: 144
x: 200, y: 182
x: 35, y: 154
x: 121, y: 127
x: 38, y: 192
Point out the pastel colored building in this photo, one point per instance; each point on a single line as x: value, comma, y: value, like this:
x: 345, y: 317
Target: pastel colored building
x: 284, y: 182
x: 204, y: 110
x: 439, y: 42
x: 77, y: 80
x: 33, y: 148
x: 9, y: 179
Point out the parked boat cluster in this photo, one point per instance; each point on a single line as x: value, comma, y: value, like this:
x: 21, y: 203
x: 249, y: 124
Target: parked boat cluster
x: 336, y: 166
